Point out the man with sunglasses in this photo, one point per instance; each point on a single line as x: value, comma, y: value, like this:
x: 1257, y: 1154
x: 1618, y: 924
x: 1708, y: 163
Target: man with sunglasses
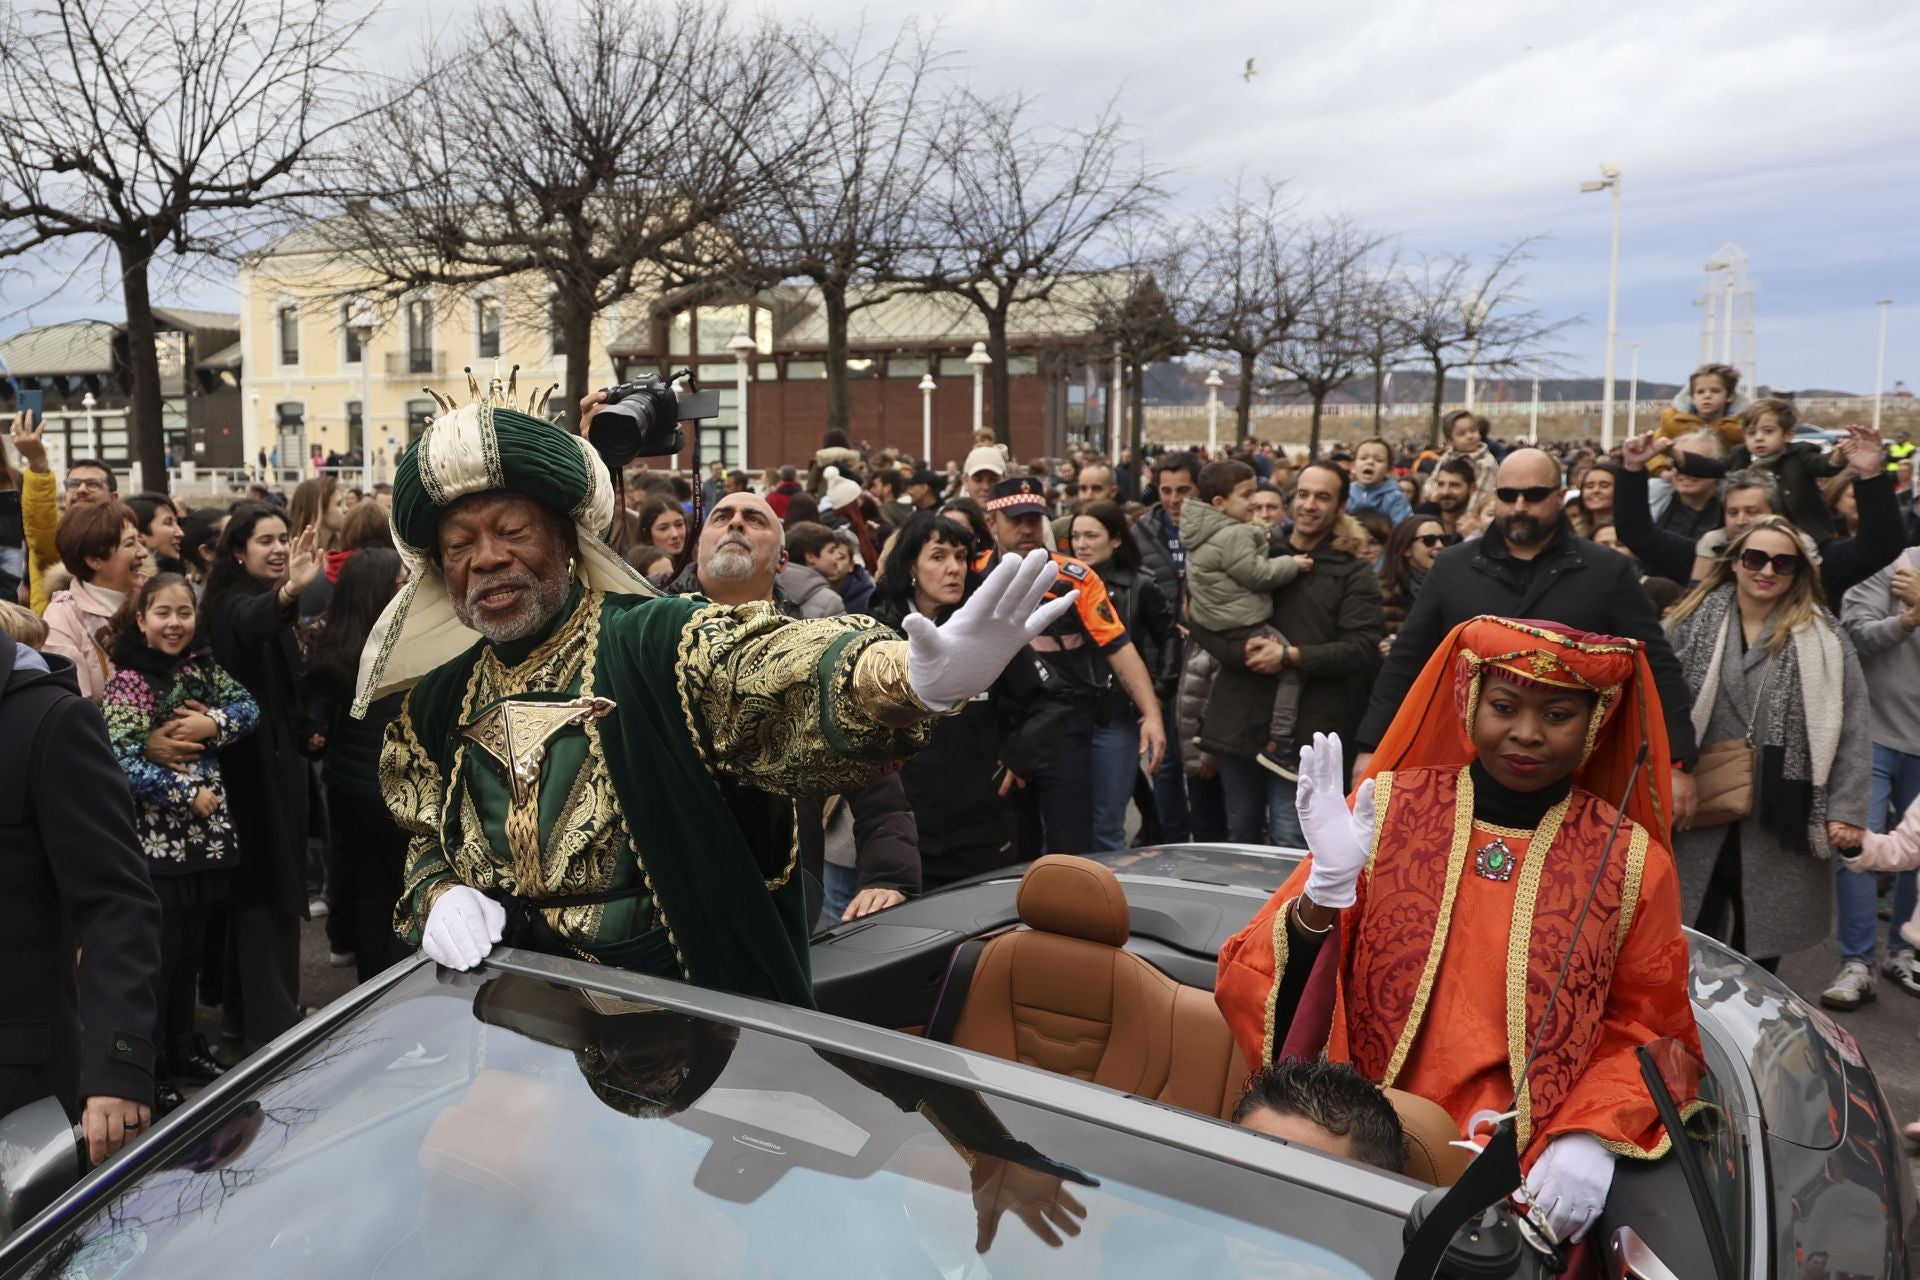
x: 1530, y: 564
x: 88, y: 480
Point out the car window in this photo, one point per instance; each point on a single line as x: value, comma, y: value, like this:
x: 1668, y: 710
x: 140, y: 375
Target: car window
x: 520, y: 1128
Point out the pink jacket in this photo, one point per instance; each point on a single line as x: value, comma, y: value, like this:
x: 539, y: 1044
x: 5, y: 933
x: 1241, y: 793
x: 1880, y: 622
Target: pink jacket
x: 1898, y: 850
x: 74, y: 618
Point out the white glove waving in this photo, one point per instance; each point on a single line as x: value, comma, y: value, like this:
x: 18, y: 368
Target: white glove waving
x: 1569, y: 1184
x: 948, y: 664
x: 1339, y: 838
x: 462, y: 927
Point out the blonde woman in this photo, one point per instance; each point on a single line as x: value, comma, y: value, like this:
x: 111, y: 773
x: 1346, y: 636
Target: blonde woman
x: 1767, y: 663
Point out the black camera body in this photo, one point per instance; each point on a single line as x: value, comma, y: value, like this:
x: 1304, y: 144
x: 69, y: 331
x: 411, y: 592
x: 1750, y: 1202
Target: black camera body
x: 642, y: 418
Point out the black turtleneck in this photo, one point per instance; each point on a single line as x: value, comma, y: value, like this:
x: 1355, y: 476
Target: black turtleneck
x: 1501, y: 806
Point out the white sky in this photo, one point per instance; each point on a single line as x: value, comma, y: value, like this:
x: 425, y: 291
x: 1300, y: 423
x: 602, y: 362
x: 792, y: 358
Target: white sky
x: 1792, y: 130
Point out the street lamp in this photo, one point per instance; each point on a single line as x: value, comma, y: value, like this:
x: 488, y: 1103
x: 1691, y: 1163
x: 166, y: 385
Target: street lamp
x: 1726, y: 327
x: 1610, y: 181
x: 1213, y: 414
x: 1880, y: 364
x: 979, y: 359
x: 1633, y: 385
x: 1113, y: 418
x: 742, y: 346
x: 361, y: 325
x: 1473, y: 313
x: 926, y: 417
x: 253, y: 400
x: 1533, y: 413
x: 87, y: 402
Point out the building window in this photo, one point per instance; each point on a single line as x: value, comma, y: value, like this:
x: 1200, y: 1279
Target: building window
x: 288, y: 321
x: 556, y: 336
x: 486, y: 324
x: 419, y: 414
x: 356, y: 428
x: 420, y: 337
x: 908, y: 366
x: 351, y: 354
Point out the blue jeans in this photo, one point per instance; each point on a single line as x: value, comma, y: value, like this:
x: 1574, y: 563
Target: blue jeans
x: 1896, y: 780
x: 1260, y: 805
x: 1116, y: 763
x: 1170, y: 782
x: 840, y: 885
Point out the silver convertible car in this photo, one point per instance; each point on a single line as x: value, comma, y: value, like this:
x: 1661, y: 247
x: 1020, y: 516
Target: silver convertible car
x: 1019, y: 1075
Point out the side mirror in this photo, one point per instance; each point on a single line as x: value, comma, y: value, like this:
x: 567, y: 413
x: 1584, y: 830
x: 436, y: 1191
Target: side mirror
x: 1629, y: 1258
x: 40, y: 1157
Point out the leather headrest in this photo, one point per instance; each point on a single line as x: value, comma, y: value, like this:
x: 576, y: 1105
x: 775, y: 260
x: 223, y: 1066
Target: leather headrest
x: 1076, y: 898
x: 1429, y: 1133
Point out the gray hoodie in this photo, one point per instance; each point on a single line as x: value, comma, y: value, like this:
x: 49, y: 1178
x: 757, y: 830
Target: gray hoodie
x: 1230, y: 576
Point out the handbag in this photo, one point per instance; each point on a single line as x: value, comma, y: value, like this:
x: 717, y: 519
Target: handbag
x: 1723, y: 783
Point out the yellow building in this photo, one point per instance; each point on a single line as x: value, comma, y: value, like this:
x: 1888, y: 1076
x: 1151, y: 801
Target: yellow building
x: 329, y: 371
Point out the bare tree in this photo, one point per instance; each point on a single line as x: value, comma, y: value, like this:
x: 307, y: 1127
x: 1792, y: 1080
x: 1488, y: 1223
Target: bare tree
x: 1460, y: 314
x: 594, y: 150
x: 1131, y: 315
x: 1382, y: 330
x: 165, y: 127
x: 1018, y: 208
x: 845, y: 221
x: 1328, y: 346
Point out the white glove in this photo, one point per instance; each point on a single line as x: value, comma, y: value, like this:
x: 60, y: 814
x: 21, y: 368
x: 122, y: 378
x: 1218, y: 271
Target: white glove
x: 1569, y: 1183
x: 462, y: 927
x: 946, y: 665
x: 1338, y: 838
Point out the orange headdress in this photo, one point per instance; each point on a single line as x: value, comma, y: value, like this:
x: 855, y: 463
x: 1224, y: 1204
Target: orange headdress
x: 1435, y: 723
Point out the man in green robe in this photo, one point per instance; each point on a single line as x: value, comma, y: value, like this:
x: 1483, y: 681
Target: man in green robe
x: 589, y: 769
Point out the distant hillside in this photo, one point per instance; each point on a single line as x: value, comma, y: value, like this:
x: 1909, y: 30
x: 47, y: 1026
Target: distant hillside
x: 1175, y: 383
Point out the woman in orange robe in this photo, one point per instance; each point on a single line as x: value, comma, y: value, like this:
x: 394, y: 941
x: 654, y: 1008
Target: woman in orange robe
x: 1455, y: 882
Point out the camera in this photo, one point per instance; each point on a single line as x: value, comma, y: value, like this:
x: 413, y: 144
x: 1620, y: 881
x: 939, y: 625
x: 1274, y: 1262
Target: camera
x: 642, y: 417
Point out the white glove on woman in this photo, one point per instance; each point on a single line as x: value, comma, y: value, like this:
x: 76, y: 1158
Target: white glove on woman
x: 948, y: 664
x: 462, y: 927
x: 1338, y: 837
x: 1569, y: 1184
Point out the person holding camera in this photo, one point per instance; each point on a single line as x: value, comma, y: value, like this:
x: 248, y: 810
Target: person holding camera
x: 587, y: 768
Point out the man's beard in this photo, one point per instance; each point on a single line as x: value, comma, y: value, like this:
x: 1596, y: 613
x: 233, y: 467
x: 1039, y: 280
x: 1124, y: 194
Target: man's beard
x: 540, y: 601
x: 731, y: 561
x: 1522, y: 530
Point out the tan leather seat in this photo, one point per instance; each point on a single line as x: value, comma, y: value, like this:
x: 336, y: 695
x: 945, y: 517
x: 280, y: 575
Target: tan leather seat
x: 1062, y: 994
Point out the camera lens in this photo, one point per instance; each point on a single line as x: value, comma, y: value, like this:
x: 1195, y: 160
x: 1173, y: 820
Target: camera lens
x: 615, y: 431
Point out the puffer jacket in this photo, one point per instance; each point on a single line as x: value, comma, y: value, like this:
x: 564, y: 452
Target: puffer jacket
x: 807, y: 590
x: 1230, y: 576
x: 1197, y: 673
x: 75, y: 618
x: 1679, y: 418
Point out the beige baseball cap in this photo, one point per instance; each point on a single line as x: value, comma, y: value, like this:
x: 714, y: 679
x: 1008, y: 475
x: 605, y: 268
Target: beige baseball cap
x: 985, y: 458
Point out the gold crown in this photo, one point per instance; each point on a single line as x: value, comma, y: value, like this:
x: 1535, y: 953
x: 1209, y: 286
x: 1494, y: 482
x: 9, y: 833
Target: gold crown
x: 498, y: 395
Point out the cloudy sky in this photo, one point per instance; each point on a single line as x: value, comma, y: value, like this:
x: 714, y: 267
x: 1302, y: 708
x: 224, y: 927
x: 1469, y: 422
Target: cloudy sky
x: 1789, y: 129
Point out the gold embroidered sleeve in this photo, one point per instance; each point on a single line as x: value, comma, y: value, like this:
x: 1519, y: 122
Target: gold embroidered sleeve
x: 797, y: 707
x: 411, y: 784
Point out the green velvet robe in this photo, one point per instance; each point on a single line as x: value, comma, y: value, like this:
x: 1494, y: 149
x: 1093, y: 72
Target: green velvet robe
x: 721, y: 714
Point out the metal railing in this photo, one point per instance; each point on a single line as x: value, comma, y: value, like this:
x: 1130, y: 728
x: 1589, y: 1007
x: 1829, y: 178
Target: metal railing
x: 1862, y: 405
x: 402, y: 363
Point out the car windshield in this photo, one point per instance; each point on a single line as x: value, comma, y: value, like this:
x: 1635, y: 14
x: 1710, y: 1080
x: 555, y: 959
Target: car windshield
x: 502, y: 1125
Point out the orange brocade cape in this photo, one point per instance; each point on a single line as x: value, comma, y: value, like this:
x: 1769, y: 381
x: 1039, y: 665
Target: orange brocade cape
x: 1443, y: 971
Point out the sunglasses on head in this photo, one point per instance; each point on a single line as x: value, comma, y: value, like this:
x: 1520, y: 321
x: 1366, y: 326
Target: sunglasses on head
x: 1754, y: 561
x: 1531, y: 494
x: 1436, y: 539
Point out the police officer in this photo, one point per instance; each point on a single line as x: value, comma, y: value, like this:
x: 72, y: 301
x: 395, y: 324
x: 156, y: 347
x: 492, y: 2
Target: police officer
x: 1084, y: 649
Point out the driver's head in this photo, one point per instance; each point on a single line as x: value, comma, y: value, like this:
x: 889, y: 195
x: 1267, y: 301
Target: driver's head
x: 1327, y: 1106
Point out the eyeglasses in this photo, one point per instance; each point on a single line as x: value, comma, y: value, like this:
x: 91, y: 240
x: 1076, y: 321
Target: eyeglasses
x: 82, y: 482
x: 1755, y: 561
x: 1531, y: 495
x: 1431, y: 540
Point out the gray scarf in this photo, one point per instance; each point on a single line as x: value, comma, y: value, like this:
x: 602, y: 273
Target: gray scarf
x: 1795, y: 725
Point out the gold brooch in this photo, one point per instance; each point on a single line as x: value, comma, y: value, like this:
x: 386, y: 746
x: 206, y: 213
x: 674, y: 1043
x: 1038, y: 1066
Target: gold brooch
x: 515, y: 735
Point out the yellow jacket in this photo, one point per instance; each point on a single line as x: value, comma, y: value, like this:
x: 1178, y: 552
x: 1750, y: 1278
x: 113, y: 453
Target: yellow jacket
x: 40, y: 513
x: 1676, y: 422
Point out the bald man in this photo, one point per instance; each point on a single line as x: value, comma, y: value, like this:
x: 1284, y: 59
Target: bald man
x: 742, y: 550
x: 1531, y: 565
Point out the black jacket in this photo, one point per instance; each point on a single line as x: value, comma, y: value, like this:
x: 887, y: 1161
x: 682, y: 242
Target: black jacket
x: 1844, y: 562
x: 1156, y: 557
x: 886, y: 840
x: 266, y: 772
x: 1333, y: 616
x: 1574, y: 582
x: 1148, y: 616
x: 73, y: 881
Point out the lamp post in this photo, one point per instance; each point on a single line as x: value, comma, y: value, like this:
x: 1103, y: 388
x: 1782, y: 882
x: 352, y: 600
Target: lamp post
x: 1610, y: 181
x: 742, y: 346
x: 1726, y: 324
x: 1880, y: 364
x: 253, y: 402
x: 1633, y: 385
x: 1213, y: 414
x: 1533, y: 413
x: 361, y: 326
x: 87, y: 402
x: 926, y: 420
x: 979, y: 359
x: 1113, y: 418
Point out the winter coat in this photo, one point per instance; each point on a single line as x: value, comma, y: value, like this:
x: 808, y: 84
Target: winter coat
x: 811, y: 595
x: 1843, y: 561
x: 1680, y: 418
x: 1484, y: 465
x: 75, y: 618
x: 1800, y: 468
x: 1787, y: 892
x: 1197, y: 674
x: 1156, y: 556
x: 178, y: 841
x: 781, y: 494
x: 72, y: 882
x: 1382, y: 495
x: 1333, y: 616
x: 1230, y: 575
x: 1574, y: 582
x: 886, y: 838
x: 857, y: 589
x: 1150, y: 624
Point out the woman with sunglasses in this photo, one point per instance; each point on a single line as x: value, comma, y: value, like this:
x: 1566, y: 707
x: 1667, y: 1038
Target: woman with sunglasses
x: 1767, y: 663
x: 1410, y: 552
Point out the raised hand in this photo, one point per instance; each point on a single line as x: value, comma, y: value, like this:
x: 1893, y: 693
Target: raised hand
x: 1339, y: 838
x: 1865, y: 451
x: 303, y: 560
x: 27, y: 438
x: 948, y: 664
x: 1636, y: 451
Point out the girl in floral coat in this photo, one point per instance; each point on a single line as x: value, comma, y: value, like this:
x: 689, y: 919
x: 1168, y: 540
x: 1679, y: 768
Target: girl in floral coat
x: 162, y: 674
